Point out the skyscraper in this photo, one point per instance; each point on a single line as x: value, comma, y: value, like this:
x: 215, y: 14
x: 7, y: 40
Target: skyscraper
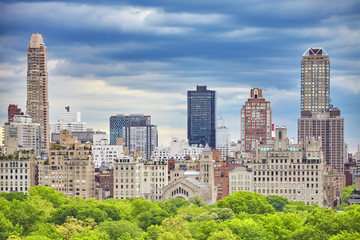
x: 315, y: 80
x: 118, y: 122
x: 318, y: 117
x: 142, y: 137
x: 255, y: 121
x: 201, y: 111
x: 37, y: 105
x: 222, y: 138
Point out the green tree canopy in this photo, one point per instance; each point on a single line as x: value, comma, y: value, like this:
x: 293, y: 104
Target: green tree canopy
x: 116, y: 229
x: 345, y: 193
x: 277, y: 202
x: 248, y: 202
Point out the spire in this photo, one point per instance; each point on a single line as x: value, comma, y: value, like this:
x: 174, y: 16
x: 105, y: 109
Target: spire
x: 206, y: 149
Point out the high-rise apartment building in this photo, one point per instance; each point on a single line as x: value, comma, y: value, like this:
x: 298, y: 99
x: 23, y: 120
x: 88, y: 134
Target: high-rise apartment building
x: 141, y: 137
x: 293, y: 171
x: 255, y: 121
x: 37, y: 105
x: 318, y: 117
x: 13, y: 110
x: 118, y: 122
x: 329, y: 126
x: 201, y: 116
x: 69, y: 169
x: 22, y: 134
x: 315, y: 81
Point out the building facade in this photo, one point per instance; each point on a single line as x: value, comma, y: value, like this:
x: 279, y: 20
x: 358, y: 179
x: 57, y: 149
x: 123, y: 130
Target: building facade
x: 334, y: 182
x: 22, y: 134
x: 241, y: 179
x: 82, y: 137
x: 141, y: 137
x: 187, y: 184
x: 178, y: 150
x: 315, y: 81
x: 13, y: 110
x: 18, y: 173
x: 329, y: 126
x: 255, y: 121
x: 135, y: 178
x: 106, y: 154
x: 69, y: 169
x: 118, y: 122
x: 318, y: 117
x: 201, y: 117
x: 222, y: 168
x: 70, y: 121
x: 293, y: 171
x: 223, y: 139
x: 105, y: 178
x: 37, y: 104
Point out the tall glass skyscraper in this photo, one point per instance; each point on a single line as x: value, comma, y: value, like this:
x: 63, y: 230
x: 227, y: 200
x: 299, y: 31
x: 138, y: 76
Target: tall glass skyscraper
x: 201, y: 112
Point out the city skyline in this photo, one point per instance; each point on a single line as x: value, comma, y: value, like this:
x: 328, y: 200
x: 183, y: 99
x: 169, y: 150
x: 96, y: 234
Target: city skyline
x: 143, y: 58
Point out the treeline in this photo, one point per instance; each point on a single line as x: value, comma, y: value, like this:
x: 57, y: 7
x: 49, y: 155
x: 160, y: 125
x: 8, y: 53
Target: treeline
x: 46, y: 214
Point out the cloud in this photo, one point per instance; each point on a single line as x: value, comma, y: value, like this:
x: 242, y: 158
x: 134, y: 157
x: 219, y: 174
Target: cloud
x: 150, y: 20
x: 349, y: 83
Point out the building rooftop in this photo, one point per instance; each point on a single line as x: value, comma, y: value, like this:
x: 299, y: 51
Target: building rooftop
x: 197, y: 183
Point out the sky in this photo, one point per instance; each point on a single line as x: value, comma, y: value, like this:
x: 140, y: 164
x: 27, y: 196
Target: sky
x: 112, y: 57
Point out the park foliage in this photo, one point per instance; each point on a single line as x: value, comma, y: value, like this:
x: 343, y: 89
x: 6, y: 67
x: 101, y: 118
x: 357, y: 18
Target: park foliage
x: 46, y: 214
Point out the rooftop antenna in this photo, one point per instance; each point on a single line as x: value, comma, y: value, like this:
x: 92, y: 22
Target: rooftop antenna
x: 67, y: 108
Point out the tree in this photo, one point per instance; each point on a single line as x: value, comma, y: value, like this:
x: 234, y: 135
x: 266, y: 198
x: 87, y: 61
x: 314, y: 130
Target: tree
x: 222, y: 235
x: 88, y: 234
x: 61, y: 213
x: 197, y: 201
x: 73, y: 226
x: 178, y: 202
x: 20, y: 196
x: 298, y: 206
x: 248, y: 202
x: 203, y: 230
x: 277, y: 202
x: 178, y: 226
x: 345, y: 193
x: 115, y: 229
x: 24, y: 214
x: 154, y: 216
x: 7, y: 229
x: 141, y: 205
x: 189, y: 212
x: 346, y: 236
x: 246, y: 229
x: 280, y: 227
x: 47, y: 230
x: 49, y: 194
x: 90, y: 212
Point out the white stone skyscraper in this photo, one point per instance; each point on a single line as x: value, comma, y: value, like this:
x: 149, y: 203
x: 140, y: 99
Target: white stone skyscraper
x: 37, y: 104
